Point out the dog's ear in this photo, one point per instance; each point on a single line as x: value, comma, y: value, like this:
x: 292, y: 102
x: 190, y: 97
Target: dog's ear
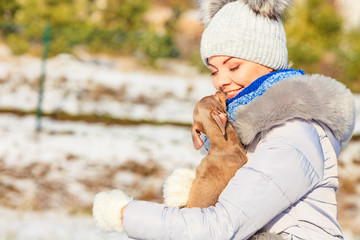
x: 195, y: 135
x: 220, y: 119
x: 222, y: 98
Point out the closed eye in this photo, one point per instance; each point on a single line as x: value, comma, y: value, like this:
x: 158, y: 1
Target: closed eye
x: 213, y: 74
x: 234, y: 68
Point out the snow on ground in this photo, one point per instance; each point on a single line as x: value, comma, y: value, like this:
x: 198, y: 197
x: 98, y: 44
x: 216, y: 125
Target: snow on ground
x: 48, y: 179
x: 58, y: 171
x: 82, y: 87
x: 68, y: 162
x: 50, y: 225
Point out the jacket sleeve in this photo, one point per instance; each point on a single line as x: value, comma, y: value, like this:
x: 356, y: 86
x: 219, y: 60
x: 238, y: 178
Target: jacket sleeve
x: 286, y: 164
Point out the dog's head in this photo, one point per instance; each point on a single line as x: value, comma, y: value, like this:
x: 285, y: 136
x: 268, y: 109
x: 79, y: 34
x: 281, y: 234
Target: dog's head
x: 209, y: 110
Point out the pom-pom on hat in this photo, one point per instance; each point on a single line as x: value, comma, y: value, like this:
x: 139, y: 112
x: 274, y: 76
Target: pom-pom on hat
x: 246, y: 29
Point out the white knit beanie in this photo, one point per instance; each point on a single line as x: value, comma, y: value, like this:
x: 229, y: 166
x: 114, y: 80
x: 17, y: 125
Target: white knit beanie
x: 246, y: 29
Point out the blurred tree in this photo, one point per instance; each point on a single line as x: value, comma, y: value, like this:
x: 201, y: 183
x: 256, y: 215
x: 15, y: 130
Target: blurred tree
x: 125, y: 15
x: 318, y: 43
x: 312, y: 30
x: 8, y: 9
x: 348, y: 60
x: 118, y: 25
x: 316, y: 39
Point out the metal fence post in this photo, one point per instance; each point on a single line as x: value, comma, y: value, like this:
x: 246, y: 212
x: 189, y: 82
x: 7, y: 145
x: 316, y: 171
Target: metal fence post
x: 46, y: 42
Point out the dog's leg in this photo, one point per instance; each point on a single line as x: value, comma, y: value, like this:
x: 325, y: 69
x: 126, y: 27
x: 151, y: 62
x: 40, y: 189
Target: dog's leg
x: 205, y: 191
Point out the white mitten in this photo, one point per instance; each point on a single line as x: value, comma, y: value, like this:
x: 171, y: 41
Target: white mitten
x: 107, y: 210
x: 177, y: 187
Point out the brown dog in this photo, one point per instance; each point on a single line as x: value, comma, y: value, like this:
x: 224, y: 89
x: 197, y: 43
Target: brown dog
x: 226, y: 154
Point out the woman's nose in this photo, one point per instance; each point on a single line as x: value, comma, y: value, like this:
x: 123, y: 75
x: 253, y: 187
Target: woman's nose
x: 221, y: 80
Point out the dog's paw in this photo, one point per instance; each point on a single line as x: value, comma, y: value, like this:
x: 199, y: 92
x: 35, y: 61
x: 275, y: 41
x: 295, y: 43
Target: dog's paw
x: 177, y: 187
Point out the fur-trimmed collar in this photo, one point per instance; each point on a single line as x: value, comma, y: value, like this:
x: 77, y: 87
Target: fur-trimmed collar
x: 310, y: 97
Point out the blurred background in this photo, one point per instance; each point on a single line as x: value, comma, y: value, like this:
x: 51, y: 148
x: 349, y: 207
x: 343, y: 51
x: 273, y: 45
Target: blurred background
x: 98, y: 95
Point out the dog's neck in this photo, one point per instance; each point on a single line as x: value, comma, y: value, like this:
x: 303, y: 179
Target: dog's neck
x: 220, y: 142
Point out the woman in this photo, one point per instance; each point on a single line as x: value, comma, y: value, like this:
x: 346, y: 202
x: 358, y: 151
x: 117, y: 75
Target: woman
x: 292, y: 125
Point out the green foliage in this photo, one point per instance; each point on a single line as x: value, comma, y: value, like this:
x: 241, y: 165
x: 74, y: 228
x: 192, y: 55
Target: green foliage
x: 348, y: 60
x: 318, y: 44
x: 8, y: 9
x: 125, y: 15
x: 115, y: 27
x: 155, y: 46
x: 196, y: 60
x: 18, y: 45
x: 316, y: 39
x: 311, y: 31
x: 324, y: 18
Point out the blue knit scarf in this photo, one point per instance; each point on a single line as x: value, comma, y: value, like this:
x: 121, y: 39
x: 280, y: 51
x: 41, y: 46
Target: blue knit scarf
x: 254, y: 90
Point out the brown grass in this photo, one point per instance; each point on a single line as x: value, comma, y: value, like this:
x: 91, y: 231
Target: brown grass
x: 47, y: 192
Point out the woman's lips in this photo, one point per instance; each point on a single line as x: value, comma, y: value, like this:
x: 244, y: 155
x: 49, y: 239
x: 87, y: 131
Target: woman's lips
x: 232, y: 93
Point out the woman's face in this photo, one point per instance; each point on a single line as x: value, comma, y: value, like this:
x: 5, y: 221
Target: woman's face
x: 231, y: 75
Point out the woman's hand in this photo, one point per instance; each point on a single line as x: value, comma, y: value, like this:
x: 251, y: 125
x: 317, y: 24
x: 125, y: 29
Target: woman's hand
x: 177, y: 187
x: 108, y: 208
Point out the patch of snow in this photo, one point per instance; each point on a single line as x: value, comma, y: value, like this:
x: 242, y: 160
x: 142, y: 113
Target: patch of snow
x: 55, y: 225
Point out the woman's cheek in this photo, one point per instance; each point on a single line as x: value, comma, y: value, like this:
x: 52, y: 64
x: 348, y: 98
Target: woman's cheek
x: 215, y: 83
